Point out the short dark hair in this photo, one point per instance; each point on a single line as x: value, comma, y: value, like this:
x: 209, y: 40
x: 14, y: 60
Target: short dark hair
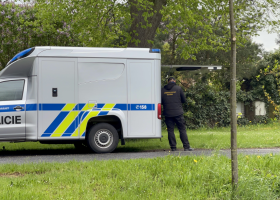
x: 171, y: 78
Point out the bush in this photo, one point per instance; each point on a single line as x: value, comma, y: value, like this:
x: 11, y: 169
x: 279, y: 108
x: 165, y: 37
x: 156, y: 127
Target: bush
x: 206, y: 107
x: 261, y: 119
x: 243, y: 121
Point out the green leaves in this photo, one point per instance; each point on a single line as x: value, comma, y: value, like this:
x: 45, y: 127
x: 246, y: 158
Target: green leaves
x: 205, y: 107
x: 20, y: 29
x: 194, y: 25
x: 96, y: 23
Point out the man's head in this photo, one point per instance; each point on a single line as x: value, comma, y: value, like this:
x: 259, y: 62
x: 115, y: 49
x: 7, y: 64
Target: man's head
x: 171, y: 79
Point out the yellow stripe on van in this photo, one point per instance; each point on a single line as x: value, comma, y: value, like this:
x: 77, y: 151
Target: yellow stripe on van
x: 65, y: 124
x: 69, y: 107
x: 56, y: 135
x: 76, y: 133
x: 88, y: 106
x: 83, y: 125
x: 108, y: 106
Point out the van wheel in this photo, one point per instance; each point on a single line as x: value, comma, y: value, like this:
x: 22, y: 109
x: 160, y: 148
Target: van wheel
x: 81, y: 146
x: 103, y: 138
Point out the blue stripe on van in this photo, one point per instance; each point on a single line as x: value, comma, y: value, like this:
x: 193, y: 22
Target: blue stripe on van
x: 10, y: 108
x: 78, y: 107
x: 103, y: 113
x: 120, y: 106
x: 31, y: 107
x: 74, y: 124
x: 46, y: 135
x: 66, y: 134
x: 51, y: 107
x: 84, y: 116
x: 56, y: 122
x: 100, y: 105
x: 142, y: 107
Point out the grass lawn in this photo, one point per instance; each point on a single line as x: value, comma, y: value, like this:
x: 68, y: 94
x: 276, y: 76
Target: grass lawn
x: 170, y: 177
x: 253, y: 136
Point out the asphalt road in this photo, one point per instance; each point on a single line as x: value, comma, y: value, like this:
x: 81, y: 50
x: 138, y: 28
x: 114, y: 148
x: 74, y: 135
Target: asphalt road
x: 68, y: 155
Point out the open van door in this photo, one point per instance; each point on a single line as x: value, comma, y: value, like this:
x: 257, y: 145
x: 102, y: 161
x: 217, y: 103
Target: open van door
x: 168, y: 68
x: 12, y: 109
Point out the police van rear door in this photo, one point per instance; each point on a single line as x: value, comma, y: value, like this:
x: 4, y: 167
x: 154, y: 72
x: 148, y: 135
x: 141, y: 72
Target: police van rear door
x: 12, y: 109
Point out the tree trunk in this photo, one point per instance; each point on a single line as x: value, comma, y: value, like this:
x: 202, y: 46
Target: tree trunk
x: 234, y: 164
x: 140, y: 36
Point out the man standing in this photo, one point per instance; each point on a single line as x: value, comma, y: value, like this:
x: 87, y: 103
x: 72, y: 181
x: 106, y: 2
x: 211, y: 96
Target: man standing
x: 172, y: 97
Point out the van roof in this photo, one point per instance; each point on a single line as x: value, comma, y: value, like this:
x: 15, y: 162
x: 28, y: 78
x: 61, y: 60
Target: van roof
x: 97, y: 52
x: 22, y: 63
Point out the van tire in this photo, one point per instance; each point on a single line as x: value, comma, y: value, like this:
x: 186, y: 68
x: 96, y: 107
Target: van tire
x: 103, y: 138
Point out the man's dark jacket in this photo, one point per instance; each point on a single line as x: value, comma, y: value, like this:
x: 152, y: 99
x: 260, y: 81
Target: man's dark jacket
x: 172, y: 97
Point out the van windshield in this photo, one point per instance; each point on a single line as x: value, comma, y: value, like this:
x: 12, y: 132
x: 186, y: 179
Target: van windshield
x: 11, y: 90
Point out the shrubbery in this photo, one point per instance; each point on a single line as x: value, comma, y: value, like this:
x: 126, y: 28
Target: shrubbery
x: 206, y: 107
x: 262, y: 119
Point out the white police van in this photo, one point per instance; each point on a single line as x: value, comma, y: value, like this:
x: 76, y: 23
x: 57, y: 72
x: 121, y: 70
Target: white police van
x: 86, y: 96
x: 92, y: 96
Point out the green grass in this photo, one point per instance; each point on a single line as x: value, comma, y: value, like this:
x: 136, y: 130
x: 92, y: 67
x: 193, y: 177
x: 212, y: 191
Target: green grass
x: 170, y: 177
x: 253, y: 136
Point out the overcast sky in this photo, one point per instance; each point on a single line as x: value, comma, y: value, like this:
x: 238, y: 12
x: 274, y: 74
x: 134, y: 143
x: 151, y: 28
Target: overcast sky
x: 268, y: 40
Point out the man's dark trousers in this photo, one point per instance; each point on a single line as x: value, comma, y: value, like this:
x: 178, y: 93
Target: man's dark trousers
x: 180, y: 122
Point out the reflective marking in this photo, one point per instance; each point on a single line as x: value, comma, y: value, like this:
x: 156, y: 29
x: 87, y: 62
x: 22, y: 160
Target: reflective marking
x: 142, y: 107
x: 10, y: 108
x: 56, y: 135
x: 69, y: 107
x: 65, y: 124
x: 79, y: 106
x: 51, y: 106
x: 91, y: 105
x: 108, y: 106
x: 103, y: 113
x: 87, y: 107
x: 31, y: 107
x: 85, y: 121
x: 74, y: 124
x: 96, y: 109
x: 46, y: 135
x: 56, y: 122
x: 121, y: 106
x: 100, y: 105
x: 76, y: 133
x: 84, y: 116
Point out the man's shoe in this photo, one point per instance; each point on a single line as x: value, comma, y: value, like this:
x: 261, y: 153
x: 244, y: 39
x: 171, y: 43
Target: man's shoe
x: 188, y: 149
x: 173, y: 149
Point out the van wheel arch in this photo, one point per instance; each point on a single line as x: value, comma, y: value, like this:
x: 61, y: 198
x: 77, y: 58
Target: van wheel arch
x: 110, y: 119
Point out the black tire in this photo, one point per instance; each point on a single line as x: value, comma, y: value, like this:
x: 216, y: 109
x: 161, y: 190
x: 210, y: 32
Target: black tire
x: 81, y: 146
x: 103, y: 138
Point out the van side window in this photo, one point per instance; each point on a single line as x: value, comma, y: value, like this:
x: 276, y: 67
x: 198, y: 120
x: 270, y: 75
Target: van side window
x: 11, y: 90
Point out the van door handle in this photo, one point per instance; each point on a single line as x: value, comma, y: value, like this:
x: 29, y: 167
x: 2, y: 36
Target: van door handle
x: 18, y: 108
